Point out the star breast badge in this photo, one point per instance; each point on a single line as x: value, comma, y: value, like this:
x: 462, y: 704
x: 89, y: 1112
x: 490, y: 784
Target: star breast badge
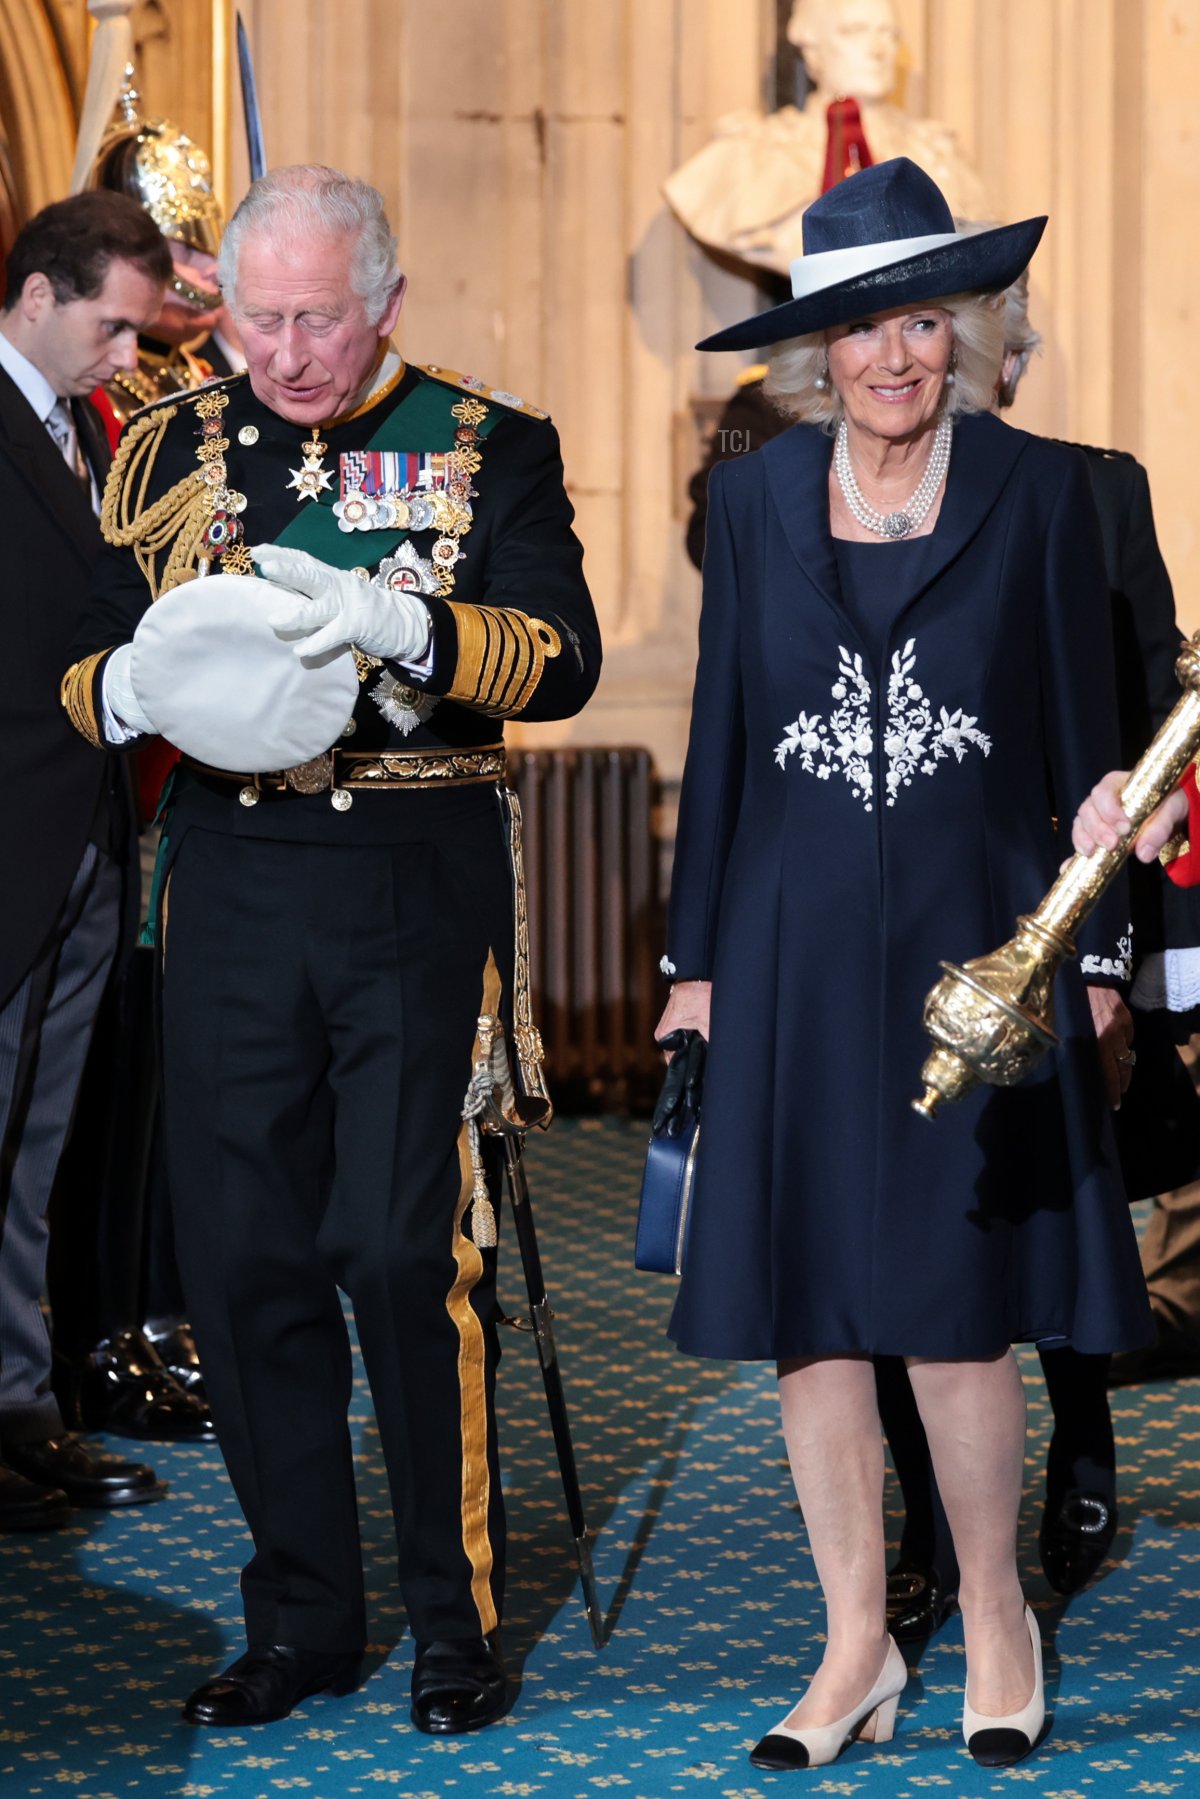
x: 310, y: 481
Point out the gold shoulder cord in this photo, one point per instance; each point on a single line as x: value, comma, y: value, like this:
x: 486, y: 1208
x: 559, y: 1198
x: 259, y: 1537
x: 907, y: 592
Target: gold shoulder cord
x: 178, y: 517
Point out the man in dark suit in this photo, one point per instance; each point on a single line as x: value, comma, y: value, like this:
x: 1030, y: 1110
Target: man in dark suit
x: 125, y: 1359
x: 82, y: 278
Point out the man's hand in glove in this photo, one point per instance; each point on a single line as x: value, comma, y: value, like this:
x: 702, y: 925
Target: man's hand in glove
x: 330, y: 607
x: 683, y: 1087
x: 119, y: 694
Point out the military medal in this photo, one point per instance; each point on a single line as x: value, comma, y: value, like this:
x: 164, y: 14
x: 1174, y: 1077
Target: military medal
x: 403, y: 706
x: 406, y: 572
x: 311, y: 481
x: 354, y: 512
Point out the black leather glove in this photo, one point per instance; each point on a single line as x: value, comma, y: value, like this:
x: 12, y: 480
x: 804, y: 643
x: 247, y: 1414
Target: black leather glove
x: 683, y: 1088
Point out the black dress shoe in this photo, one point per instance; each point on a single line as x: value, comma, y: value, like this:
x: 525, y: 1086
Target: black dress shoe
x: 458, y: 1684
x: 176, y: 1346
x: 26, y: 1505
x: 266, y: 1684
x: 86, y: 1478
x: 1075, y: 1537
x: 123, y: 1387
x: 917, y: 1603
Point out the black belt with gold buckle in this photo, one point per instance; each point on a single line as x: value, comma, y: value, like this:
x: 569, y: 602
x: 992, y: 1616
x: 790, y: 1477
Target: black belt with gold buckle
x: 342, y: 773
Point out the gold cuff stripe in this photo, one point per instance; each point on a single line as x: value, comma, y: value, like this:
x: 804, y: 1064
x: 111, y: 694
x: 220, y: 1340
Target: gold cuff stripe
x: 76, y: 695
x: 501, y: 656
x: 1171, y: 851
x: 472, y: 1363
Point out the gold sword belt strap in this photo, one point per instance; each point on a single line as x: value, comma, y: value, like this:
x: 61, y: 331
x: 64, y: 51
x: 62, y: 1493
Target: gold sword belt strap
x: 383, y: 771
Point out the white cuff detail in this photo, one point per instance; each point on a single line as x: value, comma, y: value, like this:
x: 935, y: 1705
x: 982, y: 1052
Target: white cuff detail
x: 121, y: 715
x: 1167, y: 981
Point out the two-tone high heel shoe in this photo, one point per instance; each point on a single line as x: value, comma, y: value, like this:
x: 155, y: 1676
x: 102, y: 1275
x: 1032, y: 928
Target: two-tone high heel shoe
x: 874, y: 1721
x: 999, y: 1742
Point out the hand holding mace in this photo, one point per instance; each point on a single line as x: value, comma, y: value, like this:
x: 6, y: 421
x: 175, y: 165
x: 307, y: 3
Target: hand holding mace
x: 993, y: 1018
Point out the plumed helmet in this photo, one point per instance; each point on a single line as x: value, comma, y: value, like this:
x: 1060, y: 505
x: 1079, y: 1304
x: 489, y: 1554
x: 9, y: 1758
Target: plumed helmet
x: 163, y: 170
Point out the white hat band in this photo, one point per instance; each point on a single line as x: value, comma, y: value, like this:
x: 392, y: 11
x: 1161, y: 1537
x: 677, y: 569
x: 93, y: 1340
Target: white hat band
x: 826, y: 268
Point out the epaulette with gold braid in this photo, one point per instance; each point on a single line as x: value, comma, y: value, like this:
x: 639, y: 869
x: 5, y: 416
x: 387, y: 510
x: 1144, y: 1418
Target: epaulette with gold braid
x: 188, y: 396
x: 472, y: 385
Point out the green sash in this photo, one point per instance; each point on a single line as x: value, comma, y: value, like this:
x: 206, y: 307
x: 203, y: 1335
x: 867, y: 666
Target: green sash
x: 423, y: 421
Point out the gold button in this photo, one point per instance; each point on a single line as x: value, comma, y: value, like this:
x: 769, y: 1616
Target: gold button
x: 342, y: 801
x: 349, y: 728
x: 249, y: 796
x: 248, y: 434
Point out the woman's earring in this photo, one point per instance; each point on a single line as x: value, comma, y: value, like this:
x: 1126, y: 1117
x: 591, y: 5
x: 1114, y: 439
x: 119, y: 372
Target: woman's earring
x: 821, y: 380
x: 950, y: 373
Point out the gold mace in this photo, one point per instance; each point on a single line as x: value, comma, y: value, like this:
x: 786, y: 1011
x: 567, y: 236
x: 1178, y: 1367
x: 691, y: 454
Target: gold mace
x: 993, y: 1018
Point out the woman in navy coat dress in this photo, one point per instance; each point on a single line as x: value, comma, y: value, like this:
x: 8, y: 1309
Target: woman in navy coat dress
x: 900, y: 689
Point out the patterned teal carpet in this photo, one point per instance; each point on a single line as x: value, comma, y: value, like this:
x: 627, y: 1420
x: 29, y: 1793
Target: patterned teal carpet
x: 702, y: 1565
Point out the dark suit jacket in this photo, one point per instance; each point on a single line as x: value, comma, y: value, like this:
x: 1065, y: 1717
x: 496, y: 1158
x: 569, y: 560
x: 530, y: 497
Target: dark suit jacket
x: 52, y: 783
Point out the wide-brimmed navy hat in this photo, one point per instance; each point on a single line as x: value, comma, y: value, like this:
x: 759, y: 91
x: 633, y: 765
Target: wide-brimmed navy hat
x: 884, y: 237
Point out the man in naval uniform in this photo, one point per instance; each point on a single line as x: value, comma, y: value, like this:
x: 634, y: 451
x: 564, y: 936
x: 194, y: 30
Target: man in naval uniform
x: 124, y: 1354
x: 335, y: 935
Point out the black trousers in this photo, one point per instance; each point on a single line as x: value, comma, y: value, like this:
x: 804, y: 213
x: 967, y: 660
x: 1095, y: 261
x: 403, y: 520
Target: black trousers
x: 319, y: 1021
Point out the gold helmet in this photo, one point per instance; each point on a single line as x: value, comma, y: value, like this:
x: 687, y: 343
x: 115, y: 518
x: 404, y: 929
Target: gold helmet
x: 163, y: 170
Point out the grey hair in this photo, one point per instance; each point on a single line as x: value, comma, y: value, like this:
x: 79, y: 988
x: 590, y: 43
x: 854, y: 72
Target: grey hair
x: 976, y: 322
x: 307, y: 199
x: 1020, y: 338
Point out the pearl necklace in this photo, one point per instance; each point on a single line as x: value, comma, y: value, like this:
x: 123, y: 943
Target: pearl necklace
x: 894, y: 525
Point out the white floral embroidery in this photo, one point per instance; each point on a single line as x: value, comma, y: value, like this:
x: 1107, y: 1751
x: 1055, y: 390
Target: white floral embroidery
x: 1119, y: 966
x: 913, y: 740
x: 667, y: 966
x: 845, y: 744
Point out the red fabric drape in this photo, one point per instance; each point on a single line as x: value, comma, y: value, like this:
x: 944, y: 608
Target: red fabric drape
x: 846, y: 148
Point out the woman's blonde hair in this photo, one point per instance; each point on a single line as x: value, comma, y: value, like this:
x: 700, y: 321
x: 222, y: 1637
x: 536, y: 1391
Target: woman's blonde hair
x: 977, y: 323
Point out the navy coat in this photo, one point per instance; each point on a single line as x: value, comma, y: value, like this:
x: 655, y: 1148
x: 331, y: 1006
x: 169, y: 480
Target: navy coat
x: 844, y: 828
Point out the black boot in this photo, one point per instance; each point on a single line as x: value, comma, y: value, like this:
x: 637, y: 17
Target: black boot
x: 1080, y: 1517
x: 922, y: 1588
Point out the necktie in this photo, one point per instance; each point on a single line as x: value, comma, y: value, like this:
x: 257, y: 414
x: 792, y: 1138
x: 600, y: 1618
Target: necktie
x: 61, y: 427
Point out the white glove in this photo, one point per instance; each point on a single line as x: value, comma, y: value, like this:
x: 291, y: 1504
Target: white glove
x: 116, y: 688
x: 330, y: 607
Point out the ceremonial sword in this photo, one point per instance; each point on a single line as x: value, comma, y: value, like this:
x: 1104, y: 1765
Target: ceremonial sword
x: 254, y: 132
x: 494, y: 1121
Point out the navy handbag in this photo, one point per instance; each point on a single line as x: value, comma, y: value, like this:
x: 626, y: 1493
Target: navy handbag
x: 664, y: 1211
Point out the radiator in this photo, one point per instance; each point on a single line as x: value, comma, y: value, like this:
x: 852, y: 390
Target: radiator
x: 595, y: 921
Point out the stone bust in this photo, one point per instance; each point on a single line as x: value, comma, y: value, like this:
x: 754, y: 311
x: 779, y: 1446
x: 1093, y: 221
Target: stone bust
x: 745, y: 192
